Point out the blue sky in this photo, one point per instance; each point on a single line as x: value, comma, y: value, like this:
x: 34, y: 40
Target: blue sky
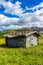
x: 16, y: 14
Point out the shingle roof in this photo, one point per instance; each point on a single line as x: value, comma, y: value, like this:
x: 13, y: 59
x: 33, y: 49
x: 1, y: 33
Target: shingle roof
x: 20, y: 34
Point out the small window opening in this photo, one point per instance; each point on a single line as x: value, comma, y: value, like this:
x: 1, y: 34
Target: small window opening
x: 31, y: 44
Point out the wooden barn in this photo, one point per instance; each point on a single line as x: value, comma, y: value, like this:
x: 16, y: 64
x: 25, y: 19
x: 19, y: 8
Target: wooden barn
x: 22, y: 40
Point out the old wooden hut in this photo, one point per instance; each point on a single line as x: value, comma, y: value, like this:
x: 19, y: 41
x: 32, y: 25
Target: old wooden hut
x: 22, y: 40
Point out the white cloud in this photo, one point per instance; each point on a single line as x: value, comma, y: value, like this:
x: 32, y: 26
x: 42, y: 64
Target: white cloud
x: 27, y: 19
x: 35, y: 7
x: 4, y: 20
x: 10, y: 27
x: 8, y: 23
x: 14, y: 9
x: 32, y: 19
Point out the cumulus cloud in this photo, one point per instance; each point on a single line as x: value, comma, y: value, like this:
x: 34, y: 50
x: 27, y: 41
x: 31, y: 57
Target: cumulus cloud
x: 26, y: 20
x: 8, y: 23
x: 14, y: 9
x: 4, y: 20
x: 33, y: 19
x: 35, y: 7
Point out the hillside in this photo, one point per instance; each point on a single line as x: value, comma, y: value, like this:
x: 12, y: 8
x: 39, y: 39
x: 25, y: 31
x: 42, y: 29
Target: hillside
x: 11, y: 31
x: 39, y: 29
x: 21, y: 30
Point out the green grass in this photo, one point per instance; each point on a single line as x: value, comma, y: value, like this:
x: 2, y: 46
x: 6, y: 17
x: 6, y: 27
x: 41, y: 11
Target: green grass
x: 2, y: 40
x: 21, y: 56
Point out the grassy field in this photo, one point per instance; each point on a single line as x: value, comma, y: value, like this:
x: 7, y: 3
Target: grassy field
x: 21, y: 56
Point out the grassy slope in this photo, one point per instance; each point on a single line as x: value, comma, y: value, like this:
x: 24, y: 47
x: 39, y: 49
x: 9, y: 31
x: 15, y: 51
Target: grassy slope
x: 11, y: 31
x: 5, y: 32
x: 21, y: 56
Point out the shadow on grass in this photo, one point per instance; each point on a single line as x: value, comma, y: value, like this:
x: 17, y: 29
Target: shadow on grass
x: 5, y: 46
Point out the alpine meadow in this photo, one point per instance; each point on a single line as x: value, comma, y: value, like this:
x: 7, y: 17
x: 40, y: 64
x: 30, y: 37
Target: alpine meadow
x: 21, y: 56
x: 21, y: 32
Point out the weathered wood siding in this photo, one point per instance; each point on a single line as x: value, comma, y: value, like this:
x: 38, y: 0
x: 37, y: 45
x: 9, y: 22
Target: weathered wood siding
x: 31, y: 40
x: 34, y: 40
x: 16, y: 42
x: 22, y: 41
x: 28, y: 41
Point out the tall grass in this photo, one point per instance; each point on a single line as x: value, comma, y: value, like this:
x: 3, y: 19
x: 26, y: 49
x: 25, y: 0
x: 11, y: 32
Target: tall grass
x: 21, y: 56
x: 2, y: 40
